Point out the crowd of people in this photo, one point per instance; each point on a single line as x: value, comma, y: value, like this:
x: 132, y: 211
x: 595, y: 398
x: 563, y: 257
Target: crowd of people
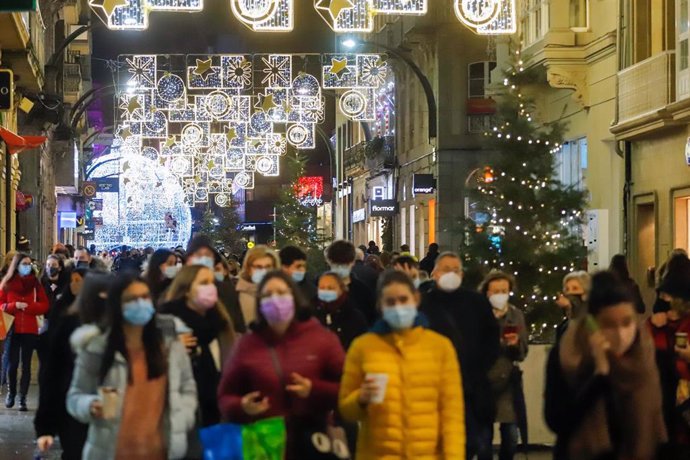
x: 385, y: 356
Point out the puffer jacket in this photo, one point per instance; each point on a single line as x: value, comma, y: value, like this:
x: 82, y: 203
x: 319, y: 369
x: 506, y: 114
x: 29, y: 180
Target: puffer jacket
x: 179, y: 416
x: 29, y: 290
x: 422, y: 416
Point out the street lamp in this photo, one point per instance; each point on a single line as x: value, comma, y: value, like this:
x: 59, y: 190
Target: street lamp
x: 351, y: 43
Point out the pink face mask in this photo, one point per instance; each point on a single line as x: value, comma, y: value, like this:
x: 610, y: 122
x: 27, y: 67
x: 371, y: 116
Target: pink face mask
x: 278, y: 309
x: 206, y: 296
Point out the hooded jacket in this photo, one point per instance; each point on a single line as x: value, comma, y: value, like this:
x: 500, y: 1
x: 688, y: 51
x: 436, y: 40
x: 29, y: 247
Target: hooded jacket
x: 422, y: 415
x: 179, y: 415
x: 26, y: 289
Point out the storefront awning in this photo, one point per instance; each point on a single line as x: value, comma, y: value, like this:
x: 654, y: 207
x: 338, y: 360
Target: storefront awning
x: 17, y: 144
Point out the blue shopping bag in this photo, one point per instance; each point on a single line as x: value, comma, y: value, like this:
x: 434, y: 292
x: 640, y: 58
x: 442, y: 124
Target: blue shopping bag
x: 262, y: 440
x: 222, y: 442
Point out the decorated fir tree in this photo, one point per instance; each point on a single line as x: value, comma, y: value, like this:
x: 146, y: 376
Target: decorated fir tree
x: 522, y: 220
x: 222, y: 225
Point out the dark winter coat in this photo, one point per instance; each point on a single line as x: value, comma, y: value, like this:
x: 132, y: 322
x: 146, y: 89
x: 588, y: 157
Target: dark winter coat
x: 54, y: 378
x: 206, y: 329
x: 465, y: 317
x: 427, y: 264
x: 342, y: 318
x: 230, y: 299
x: 308, y: 289
x: 55, y: 288
x: 363, y: 298
x: 263, y: 362
x: 367, y: 275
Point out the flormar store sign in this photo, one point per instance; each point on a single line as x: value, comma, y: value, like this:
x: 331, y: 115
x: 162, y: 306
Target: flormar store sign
x: 383, y: 208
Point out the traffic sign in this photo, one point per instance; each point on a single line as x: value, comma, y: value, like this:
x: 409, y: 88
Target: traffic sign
x: 18, y: 5
x: 6, y: 89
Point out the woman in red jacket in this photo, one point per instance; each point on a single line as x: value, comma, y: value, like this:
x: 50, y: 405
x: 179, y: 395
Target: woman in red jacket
x: 22, y: 296
x: 288, y: 366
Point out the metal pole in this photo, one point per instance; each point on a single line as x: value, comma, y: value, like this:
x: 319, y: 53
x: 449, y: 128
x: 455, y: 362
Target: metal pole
x: 8, y: 198
x: 275, y: 229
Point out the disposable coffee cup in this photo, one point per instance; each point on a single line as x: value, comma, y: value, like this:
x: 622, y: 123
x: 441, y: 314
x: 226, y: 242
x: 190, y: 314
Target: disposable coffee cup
x: 681, y: 339
x: 381, y: 381
x: 109, y: 399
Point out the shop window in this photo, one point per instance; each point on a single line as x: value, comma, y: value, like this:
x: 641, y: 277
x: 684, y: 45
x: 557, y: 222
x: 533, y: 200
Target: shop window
x: 571, y: 163
x: 683, y: 40
x: 681, y: 218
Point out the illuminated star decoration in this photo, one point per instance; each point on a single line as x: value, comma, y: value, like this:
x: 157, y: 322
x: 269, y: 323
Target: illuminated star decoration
x: 204, y: 68
x: 265, y: 102
x: 126, y: 133
x: 339, y: 67
x: 230, y: 135
x: 133, y: 105
x: 170, y: 142
x: 108, y: 6
x: 337, y: 6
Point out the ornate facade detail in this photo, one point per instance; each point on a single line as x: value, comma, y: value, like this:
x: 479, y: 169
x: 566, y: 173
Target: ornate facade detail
x: 575, y: 79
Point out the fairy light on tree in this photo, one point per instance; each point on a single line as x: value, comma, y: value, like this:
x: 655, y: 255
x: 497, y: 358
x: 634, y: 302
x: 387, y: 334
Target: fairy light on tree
x: 522, y: 220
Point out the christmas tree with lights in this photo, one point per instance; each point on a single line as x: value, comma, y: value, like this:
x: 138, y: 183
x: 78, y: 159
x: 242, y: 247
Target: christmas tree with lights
x: 522, y: 220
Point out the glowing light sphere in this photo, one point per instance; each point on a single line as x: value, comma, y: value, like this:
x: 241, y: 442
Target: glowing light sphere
x: 487, y: 17
x: 264, y: 15
x: 148, y: 210
x: 171, y: 87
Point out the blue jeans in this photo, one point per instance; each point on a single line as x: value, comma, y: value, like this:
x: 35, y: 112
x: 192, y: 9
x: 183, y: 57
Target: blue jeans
x: 5, y: 364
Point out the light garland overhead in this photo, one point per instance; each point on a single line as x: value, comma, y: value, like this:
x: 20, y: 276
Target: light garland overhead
x: 490, y: 17
x: 214, y: 121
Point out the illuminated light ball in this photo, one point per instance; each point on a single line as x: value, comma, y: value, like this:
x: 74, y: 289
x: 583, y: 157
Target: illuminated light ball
x: 306, y: 85
x: 150, y: 153
x: 352, y: 103
x: 260, y: 123
x: 149, y: 209
x: 171, y: 88
x: 297, y: 135
x: 158, y: 124
x: 242, y: 180
x: 223, y: 200
x: 218, y: 104
x: 192, y: 134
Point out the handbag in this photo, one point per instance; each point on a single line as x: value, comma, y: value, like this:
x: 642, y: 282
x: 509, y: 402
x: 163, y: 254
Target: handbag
x: 262, y: 440
x: 325, y: 443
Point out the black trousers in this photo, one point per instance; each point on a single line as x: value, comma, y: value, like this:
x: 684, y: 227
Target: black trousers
x: 22, y: 348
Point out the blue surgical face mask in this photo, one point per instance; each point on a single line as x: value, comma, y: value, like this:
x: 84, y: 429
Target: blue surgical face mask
x: 205, y: 261
x: 171, y: 271
x: 138, y: 312
x: 258, y: 275
x: 342, y: 271
x: 298, y: 276
x: 327, y: 296
x: 24, y: 270
x: 220, y: 276
x: 400, y: 317
x: 417, y: 282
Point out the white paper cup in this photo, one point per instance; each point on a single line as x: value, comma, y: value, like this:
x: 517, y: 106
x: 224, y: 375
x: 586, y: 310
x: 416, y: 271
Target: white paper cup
x: 109, y: 399
x: 381, y: 381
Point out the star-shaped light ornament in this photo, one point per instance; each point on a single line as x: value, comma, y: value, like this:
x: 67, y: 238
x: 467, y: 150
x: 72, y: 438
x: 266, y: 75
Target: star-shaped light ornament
x: 108, y: 6
x: 335, y: 7
x: 204, y: 69
x: 287, y: 108
x: 170, y: 142
x: 266, y: 102
x: 231, y: 134
x: 126, y: 133
x: 133, y: 105
x: 339, y: 67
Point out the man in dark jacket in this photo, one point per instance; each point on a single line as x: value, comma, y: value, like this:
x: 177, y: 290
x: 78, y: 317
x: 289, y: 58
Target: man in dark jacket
x: 341, y: 257
x: 293, y: 261
x: 465, y: 317
x: 364, y: 273
x: 427, y: 263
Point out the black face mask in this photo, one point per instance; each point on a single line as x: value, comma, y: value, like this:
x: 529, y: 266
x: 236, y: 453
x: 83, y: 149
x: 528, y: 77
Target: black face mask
x: 577, y: 303
x: 53, y: 271
x: 82, y: 264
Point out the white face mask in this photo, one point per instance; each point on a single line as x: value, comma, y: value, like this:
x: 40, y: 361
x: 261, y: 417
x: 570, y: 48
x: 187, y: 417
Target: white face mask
x: 449, y: 282
x: 621, y: 338
x: 499, y: 301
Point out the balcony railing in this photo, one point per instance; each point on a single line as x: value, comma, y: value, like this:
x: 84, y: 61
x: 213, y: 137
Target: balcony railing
x: 71, y: 79
x: 647, y: 86
x: 354, y: 159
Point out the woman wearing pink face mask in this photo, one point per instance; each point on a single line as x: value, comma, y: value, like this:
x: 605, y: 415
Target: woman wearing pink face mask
x: 606, y: 396
x: 206, y: 329
x: 288, y: 366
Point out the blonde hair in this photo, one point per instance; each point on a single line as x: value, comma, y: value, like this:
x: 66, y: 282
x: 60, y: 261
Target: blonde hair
x: 254, y: 254
x: 581, y: 277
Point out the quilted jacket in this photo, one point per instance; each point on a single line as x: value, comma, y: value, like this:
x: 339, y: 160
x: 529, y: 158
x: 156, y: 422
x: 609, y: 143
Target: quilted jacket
x: 422, y: 415
x: 29, y: 290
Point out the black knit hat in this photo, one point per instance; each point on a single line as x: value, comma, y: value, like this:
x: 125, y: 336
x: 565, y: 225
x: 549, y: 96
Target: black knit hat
x: 198, y: 242
x: 676, y: 283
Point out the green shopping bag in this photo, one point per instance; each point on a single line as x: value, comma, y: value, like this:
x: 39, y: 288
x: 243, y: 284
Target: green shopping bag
x: 264, y: 440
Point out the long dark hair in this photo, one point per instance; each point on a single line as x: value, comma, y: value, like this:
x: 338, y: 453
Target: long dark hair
x: 152, y: 337
x: 302, y: 307
x: 90, y: 301
x: 154, y: 276
x: 619, y: 267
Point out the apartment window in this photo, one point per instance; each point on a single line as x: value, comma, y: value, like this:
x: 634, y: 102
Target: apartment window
x: 571, y: 164
x: 535, y: 20
x: 579, y: 14
x: 479, y: 110
x: 683, y: 47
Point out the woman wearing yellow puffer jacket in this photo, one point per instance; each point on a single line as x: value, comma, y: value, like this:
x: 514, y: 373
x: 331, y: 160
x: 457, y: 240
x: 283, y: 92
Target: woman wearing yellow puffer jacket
x: 402, y: 382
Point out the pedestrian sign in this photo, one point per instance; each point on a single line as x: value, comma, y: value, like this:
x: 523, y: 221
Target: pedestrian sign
x: 6, y: 89
x: 18, y: 5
